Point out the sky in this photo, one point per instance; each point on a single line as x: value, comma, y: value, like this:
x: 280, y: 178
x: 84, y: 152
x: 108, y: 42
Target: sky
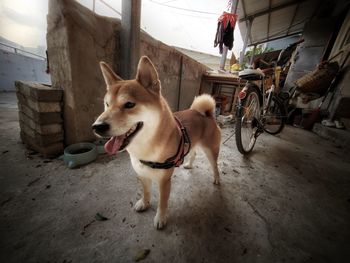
x: 24, y: 21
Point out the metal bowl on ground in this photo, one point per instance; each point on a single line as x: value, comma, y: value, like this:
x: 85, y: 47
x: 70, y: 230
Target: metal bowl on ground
x: 79, y: 154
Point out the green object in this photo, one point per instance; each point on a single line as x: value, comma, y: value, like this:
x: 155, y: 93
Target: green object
x: 141, y: 255
x: 79, y: 154
x: 100, y: 217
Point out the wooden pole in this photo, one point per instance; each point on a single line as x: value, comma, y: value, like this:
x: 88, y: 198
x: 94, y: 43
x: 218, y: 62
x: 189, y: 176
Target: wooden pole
x: 252, y: 57
x: 130, y: 37
x: 225, y: 49
x: 241, y: 57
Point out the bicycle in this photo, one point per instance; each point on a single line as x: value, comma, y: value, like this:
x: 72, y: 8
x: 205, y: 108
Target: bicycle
x: 258, y: 110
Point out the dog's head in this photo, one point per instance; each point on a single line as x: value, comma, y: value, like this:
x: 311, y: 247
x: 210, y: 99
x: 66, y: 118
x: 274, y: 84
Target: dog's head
x: 128, y: 105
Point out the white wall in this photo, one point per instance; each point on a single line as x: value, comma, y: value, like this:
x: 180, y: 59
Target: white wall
x: 14, y: 66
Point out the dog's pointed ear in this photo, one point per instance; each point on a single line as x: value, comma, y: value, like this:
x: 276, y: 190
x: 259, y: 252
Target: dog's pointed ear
x: 147, y: 74
x: 108, y: 74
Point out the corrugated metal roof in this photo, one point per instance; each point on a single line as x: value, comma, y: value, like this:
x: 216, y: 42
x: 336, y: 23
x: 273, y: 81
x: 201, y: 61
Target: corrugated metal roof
x: 273, y: 19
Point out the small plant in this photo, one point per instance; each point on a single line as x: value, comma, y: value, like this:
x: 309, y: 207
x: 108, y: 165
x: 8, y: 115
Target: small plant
x: 260, y: 49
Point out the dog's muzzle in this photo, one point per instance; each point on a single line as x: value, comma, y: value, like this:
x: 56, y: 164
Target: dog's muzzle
x: 100, y: 128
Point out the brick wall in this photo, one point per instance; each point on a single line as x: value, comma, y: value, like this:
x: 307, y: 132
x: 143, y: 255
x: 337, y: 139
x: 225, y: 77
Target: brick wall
x: 40, y: 117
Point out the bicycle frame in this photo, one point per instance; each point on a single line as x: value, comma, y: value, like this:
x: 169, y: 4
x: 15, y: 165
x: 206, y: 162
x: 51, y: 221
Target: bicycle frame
x: 259, y: 109
x: 264, y: 100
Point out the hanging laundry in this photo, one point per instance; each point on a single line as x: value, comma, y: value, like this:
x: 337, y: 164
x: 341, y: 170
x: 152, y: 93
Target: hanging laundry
x: 224, y: 32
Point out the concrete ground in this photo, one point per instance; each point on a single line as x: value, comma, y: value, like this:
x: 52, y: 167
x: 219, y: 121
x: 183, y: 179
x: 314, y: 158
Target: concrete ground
x: 289, y: 201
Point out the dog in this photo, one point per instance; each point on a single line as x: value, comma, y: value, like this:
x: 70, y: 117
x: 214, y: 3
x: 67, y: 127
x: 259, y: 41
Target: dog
x: 137, y: 118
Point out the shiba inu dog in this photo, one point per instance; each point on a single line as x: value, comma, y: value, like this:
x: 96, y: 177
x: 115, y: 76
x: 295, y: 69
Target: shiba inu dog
x: 137, y: 118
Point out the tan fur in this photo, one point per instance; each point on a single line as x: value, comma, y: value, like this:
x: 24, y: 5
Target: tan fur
x: 159, y: 137
x: 204, y: 104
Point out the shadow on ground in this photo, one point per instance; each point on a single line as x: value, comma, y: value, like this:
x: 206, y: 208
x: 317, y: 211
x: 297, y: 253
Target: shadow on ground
x: 289, y: 201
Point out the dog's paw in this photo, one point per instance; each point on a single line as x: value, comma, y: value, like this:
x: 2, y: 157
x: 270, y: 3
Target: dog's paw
x: 159, y: 221
x: 188, y: 166
x: 141, y: 205
x: 216, y: 181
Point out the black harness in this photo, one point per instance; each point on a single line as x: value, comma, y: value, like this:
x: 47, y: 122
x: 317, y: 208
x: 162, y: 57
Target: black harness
x: 178, y: 158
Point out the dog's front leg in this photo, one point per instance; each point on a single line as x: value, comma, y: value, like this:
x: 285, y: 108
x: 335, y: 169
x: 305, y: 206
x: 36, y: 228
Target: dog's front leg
x: 164, y: 193
x: 144, y: 202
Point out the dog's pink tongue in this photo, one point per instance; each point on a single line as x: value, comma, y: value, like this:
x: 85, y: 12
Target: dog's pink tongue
x: 113, y: 145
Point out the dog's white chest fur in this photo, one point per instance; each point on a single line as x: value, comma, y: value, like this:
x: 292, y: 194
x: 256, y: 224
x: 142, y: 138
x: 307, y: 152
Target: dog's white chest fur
x: 145, y: 171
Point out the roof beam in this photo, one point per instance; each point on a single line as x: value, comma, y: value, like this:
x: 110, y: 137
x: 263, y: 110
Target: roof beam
x: 268, y: 21
x: 270, y: 10
x: 247, y: 22
x: 293, y: 18
x: 317, y: 9
x: 244, y: 12
x: 275, y: 38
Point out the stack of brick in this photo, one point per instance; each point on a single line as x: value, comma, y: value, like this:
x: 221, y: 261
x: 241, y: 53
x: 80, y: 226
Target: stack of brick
x: 40, y: 117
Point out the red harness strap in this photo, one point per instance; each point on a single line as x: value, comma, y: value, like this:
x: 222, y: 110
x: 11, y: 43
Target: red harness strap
x: 182, y: 151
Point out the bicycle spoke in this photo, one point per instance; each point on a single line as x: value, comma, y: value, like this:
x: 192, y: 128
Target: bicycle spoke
x: 248, y: 123
x: 274, y: 117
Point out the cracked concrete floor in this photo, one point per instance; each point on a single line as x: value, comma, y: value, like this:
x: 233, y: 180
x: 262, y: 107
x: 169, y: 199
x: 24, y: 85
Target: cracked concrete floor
x: 289, y: 201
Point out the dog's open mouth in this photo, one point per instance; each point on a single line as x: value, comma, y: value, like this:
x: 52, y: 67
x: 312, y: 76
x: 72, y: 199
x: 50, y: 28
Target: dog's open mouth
x: 119, y: 143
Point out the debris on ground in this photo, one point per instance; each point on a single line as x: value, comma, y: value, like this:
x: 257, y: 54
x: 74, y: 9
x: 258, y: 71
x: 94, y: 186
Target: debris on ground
x: 100, y: 217
x: 141, y: 255
x: 223, y: 120
x: 33, y: 181
x: 29, y: 154
x: 86, y: 226
x: 6, y: 201
x: 228, y: 229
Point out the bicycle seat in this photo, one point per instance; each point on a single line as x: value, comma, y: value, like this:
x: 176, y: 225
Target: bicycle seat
x: 251, y: 74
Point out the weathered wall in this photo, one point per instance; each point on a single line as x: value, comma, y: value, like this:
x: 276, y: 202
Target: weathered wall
x: 168, y: 62
x: 192, y: 75
x: 77, y: 40
x: 340, y: 106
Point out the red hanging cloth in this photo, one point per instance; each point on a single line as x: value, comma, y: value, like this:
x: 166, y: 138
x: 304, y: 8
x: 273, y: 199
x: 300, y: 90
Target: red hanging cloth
x: 228, y: 17
x: 224, y: 32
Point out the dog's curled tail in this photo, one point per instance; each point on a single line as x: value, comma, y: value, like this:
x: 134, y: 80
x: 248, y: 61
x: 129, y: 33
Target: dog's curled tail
x: 204, y: 104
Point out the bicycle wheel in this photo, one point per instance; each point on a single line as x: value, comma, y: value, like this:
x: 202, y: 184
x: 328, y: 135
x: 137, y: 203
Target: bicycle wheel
x: 274, y: 117
x: 247, y: 120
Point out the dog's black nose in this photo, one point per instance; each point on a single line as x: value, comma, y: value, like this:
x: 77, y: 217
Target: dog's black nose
x: 100, y: 127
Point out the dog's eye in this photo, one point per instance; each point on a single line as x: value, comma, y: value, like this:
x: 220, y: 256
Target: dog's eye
x: 129, y: 105
x: 107, y: 104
